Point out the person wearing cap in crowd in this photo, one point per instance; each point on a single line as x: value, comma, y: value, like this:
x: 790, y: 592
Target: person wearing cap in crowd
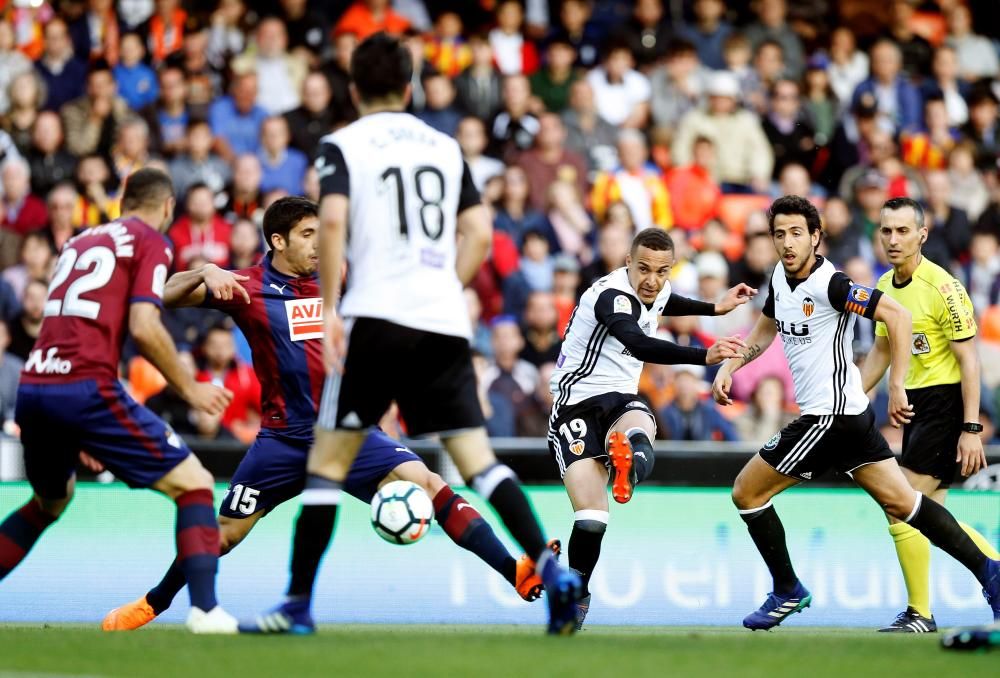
x: 742, y: 166
x: 713, y: 283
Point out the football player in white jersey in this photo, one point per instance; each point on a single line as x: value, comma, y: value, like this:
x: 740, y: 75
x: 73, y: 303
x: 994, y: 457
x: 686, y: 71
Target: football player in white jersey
x: 813, y: 307
x: 398, y: 197
x: 598, y: 421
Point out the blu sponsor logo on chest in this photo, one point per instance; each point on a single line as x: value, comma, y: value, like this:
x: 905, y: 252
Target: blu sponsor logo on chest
x: 305, y: 318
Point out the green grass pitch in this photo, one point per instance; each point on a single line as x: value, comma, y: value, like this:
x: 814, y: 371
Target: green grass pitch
x: 484, y: 651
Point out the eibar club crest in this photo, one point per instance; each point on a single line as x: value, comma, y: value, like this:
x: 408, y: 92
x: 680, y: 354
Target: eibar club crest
x: 808, y: 306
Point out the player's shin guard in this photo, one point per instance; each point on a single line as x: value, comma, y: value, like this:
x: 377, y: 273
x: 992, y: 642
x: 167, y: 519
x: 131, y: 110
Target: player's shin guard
x: 499, y: 486
x: 589, y: 527
x: 768, y: 536
x: 642, y: 453
x: 467, y: 528
x: 198, y: 546
x: 313, y: 531
x: 943, y: 530
x: 914, y: 553
x: 19, y: 532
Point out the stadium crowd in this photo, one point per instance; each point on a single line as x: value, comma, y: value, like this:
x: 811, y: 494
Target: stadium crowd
x: 582, y: 122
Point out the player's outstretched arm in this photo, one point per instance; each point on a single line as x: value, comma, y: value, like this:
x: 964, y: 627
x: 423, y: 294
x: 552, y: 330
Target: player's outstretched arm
x: 876, y: 363
x: 155, y: 344
x: 476, y: 234
x: 970, y: 452
x: 899, y: 325
x: 760, y: 338
x: 191, y: 288
x: 677, y: 305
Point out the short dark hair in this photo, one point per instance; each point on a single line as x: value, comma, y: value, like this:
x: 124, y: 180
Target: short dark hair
x: 381, y: 67
x: 284, y: 213
x: 146, y: 188
x: 902, y: 203
x: 655, y: 239
x: 791, y: 205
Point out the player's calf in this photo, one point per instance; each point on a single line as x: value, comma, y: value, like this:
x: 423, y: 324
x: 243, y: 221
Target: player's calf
x: 589, y: 527
x: 23, y: 527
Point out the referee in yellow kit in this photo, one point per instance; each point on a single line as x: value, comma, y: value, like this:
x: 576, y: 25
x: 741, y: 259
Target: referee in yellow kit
x: 942, y: 385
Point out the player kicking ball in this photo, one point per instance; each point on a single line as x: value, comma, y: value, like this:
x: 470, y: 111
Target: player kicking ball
x: 276, y: 304
x: 814, y: 307
x: 598, y: 423
x: 109, y: 280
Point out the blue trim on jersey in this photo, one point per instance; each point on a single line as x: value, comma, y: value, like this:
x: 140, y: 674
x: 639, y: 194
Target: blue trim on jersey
x: 152, y: 300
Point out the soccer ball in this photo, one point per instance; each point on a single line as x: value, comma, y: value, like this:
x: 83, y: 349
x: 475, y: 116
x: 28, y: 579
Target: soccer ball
x: 401, y: 512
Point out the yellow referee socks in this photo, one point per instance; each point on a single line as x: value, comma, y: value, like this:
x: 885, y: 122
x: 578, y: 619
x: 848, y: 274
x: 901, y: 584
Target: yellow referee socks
x: 980, y: 541
x: 914, y: 553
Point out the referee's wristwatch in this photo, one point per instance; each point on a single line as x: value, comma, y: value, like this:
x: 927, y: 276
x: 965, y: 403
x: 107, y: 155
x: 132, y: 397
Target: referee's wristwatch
x: 972, y: 427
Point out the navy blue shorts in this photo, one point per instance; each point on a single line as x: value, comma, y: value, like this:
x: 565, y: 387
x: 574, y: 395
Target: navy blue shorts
x: 58, y: 421
x: 274, y: 471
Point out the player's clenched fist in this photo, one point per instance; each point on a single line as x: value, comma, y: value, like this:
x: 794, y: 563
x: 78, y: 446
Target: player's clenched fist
x: 209, y: 398
x: 727, y: 347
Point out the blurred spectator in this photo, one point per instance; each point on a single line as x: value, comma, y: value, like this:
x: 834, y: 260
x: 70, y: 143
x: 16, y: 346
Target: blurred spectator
x: 283, y: 168
x: 34, y: 262
x: 446, y: 49
x: 552, y: 82
x: 982, y: 270
x: 168, y: 116
x: 848, y: 64
x: 968, y: 189
x: 770, y: 25
x: 165, y: 30
x: 221, y: 366
x: 98, y: 200
x: 365, y: 17
x: 549, y: 160
x: 10, y: 375
x: 916, y: 51
x: 136, y: 81
x: 794, y: 180
x: 621, y: 93
x: 713, y: 282
x: 231, y: 23
x: 204, y: 80
x: 647, y: 33
x: 337, y: 72
x: 305, y: 26
x: 758, y: 261
x: 743, y: 166
x: 315, y: 118
x: 540, y: 328
x: 576, y: 27
x: 513, y: 54
x: 8, y: 149
x: 515, y: 216
x: 587, y: 134
x: 689, y: 416
x: 49, y: 161
x: 508, y: 379
x: 977, y: 56
x: 565, y: 281
x: 947, y: 85
x: 200, y: 233
x: 439, y: 111
x: 694, y: 194
x: 533, y: 416
x: 870, y: 193
x: 171, y: 407
x: 236, y: 119
x: 10, y: 304
x: 982, y: 128
x: 613, y: 242
x: 820, y: 101
x: 842, y: 236
x: 413, y: 40
x: 788, y: 130
x: 62, y: 203
x: 708, y: 32
x: 65, y: 76
x: 636, y: 182
x: 481, y: 342
x: 768, y: 69
x: 478, y: 87
x: 471, y: 137
x: 888, y: 89
x: 766, y: 413
x: 879, y: 149
x: 199, y: 165
x: 514, y: 128
x: 130, y: 151
x: 929, y: 148
x: 24, y: 328
x: 91, y: 121
x: 12, y: 63
x: 677, y: 86
x: 26, y: 98
x: 245, y: 199
x: 279, y: 73
x: 22, y: 211
x: 536, y: 264
x: 949, y: 228
x: 739, y: 61
x: 568, y: 218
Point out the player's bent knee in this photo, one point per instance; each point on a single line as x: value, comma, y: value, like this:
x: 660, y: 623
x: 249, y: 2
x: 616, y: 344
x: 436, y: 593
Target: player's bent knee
x: 187, y: 476
x: 899, y: 506
x: 487, y: 481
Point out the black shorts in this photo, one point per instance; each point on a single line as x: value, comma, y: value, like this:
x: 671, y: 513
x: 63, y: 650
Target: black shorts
x: 429, y: 375
x: 812, y: 444
x: 581, y: 431
x: 930, y: 440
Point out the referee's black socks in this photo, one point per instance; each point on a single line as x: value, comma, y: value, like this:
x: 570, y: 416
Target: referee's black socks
x: 941, y: 528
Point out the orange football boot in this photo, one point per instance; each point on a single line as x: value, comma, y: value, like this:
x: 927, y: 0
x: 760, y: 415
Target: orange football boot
x: 129, y: 617
x: 526, y: 581
x: 622, y: 469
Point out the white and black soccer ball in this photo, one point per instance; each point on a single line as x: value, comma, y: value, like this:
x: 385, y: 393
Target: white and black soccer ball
x: 401, y: 512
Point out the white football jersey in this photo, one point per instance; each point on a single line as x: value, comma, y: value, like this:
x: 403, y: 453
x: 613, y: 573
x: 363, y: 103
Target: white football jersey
x: 816, y: 338
x: 592, y: 362
x: 406, y: 183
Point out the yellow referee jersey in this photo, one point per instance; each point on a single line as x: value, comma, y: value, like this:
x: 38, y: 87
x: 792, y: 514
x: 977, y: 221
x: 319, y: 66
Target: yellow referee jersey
x: 942, y: 313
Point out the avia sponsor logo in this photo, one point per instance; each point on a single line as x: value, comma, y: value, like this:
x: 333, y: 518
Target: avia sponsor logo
x: 305, y: 318
x: 50, y: 364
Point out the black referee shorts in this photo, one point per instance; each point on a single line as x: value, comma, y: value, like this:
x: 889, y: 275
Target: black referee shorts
x: 930, y: 440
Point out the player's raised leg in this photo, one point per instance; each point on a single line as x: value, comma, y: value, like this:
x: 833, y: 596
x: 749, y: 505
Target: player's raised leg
x: 885, y: 482
x: 630, y: 451
x: 756, y: 485
x: 587, y: 485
